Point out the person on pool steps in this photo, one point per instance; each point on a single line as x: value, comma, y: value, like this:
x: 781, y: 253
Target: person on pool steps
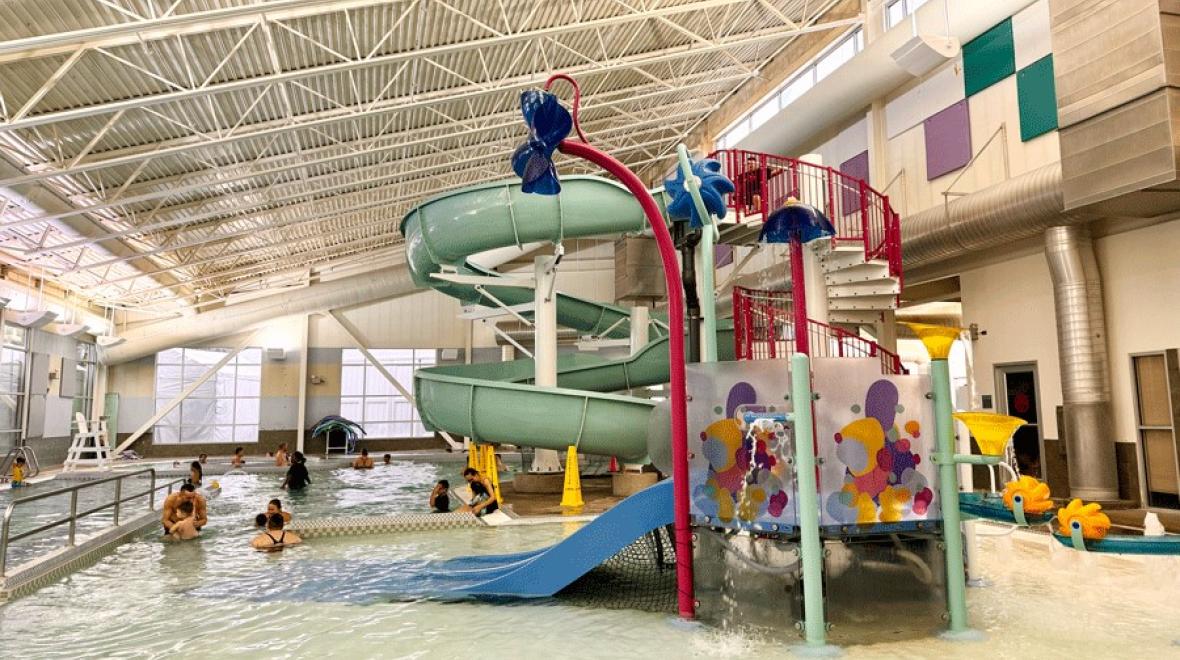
x: 18, y: 472
x: 440, y: 499
x: 275, y: 537
x: 297, y: 477
x: 363, y: 462
x: 185, y: 528
x: 483, y: 494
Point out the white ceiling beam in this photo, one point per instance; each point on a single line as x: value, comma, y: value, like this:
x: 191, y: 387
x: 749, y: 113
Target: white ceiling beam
x: 737, y: 40
x: 302, y: 187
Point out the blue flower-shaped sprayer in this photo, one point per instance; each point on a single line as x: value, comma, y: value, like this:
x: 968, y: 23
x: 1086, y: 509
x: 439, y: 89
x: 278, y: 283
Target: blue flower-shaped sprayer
x: 796, y: 220
x: 713, y: 185
x: 549, y: 123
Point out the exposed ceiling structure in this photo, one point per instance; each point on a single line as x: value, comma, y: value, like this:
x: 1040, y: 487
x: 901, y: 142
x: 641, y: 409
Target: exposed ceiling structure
x: 163, y: 154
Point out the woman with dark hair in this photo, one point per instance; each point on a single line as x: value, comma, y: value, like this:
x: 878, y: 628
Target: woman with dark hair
x: 238, y: 459
x: 297, y: 476
x: 195, y: 474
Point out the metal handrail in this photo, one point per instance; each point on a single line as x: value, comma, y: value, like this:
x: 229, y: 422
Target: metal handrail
x: 860, y: 213
x: 7, y: 538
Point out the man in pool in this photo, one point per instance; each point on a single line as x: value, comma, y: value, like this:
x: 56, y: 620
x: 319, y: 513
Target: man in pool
x: 276, y: 506
x: 440, y: 499
x: 203, y: 458
x: 185, y: 527
x: 170, y: 514
x: 387, y: 458
x: 363, y: 462
x: 238, y: 459
x: 483, y: 494
x: 275, y: 537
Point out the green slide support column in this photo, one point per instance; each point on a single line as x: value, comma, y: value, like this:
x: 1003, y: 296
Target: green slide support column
x: 814, y: 628
x: 948, y: 492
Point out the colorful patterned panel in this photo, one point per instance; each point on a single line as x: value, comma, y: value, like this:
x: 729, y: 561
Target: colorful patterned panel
x: 738, y: 479
x: 875, y: 437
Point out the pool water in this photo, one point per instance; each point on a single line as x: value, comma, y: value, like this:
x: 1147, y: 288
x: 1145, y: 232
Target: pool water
x: 217, y: 598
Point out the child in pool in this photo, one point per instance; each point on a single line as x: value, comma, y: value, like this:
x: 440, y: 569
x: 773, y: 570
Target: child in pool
x: 440, y: 499
x: 18, y: 472
x: 185, y: 528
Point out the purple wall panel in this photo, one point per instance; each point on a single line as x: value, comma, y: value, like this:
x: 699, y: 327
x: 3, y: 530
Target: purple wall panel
x: 856, y: 167
x: 722, y: 255
x: 948, y: 140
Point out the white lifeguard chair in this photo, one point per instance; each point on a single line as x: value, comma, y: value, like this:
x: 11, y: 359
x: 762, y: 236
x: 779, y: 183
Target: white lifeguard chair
x: 90, y: 447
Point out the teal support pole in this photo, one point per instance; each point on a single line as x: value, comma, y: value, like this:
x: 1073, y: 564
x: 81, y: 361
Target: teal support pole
x: 948, y: 495
x: 704, y: 258
x: 814, y: 627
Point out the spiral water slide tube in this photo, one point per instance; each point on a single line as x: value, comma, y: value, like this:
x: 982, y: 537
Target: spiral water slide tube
x: 497, y: 402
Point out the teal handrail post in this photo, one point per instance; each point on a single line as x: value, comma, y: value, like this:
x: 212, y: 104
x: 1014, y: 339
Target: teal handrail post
x: 705, y: 258
x: 814, y: 626
x: 948, y: 494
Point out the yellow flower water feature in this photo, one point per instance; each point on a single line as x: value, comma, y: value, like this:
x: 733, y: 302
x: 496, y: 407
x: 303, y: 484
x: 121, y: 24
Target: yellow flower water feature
x: 1095, y: 524
x: 1034, y: 492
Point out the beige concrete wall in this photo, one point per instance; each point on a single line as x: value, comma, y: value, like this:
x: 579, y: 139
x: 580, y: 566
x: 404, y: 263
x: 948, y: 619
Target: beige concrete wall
x: 1013, y: 303
x: 1141, y: 278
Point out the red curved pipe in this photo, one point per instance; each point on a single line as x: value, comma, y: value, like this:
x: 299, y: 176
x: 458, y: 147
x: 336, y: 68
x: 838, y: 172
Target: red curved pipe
x: 683, y: 534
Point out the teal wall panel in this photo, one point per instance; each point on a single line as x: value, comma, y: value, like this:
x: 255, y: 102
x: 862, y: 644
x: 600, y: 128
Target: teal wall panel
x: 989, y: 58
x: 1037, y: 96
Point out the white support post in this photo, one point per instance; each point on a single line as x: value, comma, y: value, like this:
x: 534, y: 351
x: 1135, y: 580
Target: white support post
x: 354, y: 336
x: 160, y: 414
x: 545, y: 346
x: 815, y: 289
x: 304, y: 349
x: 640, y: 315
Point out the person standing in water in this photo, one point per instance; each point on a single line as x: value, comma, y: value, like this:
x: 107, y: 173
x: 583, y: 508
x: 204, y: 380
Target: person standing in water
x: 238, y: 459
x: 195, y: 474
x: 363, y: 462
x: 275, y: 537
x: 185, y: 528
x: 282, y: 458
x: 297, y: 476
x: 440, y: 498
x: 276, y: 506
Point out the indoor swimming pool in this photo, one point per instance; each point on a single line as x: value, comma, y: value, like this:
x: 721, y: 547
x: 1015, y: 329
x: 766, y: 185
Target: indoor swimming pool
x: 216, y: 597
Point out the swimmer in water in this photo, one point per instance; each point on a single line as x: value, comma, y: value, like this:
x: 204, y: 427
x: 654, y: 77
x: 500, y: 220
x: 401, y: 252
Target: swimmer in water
x: 363, y: 462
x: 185, y: 528
x: 276, y: 506
x: 275, y: 538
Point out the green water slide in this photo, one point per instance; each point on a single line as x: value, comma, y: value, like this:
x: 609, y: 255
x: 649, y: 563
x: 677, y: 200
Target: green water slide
x: 496, y: 402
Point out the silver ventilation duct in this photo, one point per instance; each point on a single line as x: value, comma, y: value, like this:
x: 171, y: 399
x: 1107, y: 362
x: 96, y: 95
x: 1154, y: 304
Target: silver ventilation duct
x: 1085, y: 380
x: 1019, y: 208
x: 152, y: 338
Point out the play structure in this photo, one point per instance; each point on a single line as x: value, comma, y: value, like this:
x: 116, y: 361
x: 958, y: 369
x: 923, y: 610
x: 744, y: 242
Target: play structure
x: 811, y: 475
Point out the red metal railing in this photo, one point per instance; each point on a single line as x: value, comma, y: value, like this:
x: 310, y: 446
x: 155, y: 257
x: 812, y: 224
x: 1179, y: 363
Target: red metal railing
x: 763, y: 330
x: 859, y: 213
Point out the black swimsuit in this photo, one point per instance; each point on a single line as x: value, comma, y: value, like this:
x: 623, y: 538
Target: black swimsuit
x: 277, y: 543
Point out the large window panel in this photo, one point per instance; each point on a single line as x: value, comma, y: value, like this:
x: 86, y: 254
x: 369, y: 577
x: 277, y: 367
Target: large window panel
x: 13, y: 356
x: 223, y: 409
x: 367, y: 398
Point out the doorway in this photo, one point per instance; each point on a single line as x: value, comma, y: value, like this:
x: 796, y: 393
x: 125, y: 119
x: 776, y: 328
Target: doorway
x: 1017, y: 394
x: 1157, y: 438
